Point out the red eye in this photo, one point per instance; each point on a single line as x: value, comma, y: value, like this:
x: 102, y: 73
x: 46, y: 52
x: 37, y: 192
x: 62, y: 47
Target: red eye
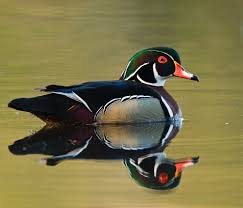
x: 162, y: 59
x: 163, y: 178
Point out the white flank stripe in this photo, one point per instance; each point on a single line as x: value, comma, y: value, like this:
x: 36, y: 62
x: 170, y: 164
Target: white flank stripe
x: 111, y: 101
x: 168, y: 107
x: 133, y: 96
x: 75, y: 97
x: 125, y: 98
x: 143, y: 96
x: 97, y: 112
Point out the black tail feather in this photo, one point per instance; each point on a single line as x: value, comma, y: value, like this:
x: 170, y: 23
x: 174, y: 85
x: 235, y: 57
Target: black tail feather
x: 19, y: 104
x: 45, y: 107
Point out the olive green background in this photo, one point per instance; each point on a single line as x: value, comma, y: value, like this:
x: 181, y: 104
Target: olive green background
x: 66, y: 42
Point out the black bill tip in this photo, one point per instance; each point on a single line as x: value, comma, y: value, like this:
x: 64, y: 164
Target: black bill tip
x: 195, y: 78
x: 195, y: 159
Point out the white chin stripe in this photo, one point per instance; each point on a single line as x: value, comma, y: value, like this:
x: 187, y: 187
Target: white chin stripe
x: 156, y: 84
x: 75, y: 97
x: 160, y: 81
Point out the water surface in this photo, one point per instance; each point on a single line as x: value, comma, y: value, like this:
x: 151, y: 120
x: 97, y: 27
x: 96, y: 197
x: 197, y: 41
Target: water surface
x: 64, y: 42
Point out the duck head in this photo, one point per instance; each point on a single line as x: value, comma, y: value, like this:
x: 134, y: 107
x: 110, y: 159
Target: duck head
x: 153, y: 66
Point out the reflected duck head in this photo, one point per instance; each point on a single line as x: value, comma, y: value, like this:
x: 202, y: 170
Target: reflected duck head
x: 153, y: 66
x: 155, y: 171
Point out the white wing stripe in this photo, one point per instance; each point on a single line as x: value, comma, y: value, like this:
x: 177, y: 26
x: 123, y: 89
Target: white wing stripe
x: 75, y: 97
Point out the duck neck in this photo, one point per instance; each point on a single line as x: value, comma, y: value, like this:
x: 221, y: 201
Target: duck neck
x: 169, y: 99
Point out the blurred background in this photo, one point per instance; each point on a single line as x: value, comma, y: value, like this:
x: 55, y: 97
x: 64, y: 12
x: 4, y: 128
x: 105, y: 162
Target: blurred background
x: 69, y: 42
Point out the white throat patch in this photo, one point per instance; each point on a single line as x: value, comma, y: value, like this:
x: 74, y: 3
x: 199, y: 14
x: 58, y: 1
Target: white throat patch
x: 160, y: 81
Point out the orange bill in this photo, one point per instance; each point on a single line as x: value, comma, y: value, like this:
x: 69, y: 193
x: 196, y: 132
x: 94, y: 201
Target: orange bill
x: 181, y: 72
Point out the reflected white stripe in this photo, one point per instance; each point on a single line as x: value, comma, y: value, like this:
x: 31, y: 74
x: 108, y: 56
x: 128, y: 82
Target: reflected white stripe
x: 74, y: 152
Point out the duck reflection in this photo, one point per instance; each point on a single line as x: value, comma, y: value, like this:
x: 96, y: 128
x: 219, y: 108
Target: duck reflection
x: 140, y: 146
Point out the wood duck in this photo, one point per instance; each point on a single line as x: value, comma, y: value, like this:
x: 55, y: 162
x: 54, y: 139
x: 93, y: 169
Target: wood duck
x: 156, y: 171
x: 138, y: 97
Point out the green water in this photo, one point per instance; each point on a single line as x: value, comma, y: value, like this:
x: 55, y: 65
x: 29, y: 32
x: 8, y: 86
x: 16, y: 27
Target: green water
x: 67, y: 42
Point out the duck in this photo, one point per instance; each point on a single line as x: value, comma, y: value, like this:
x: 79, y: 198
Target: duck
x: 138, y: 96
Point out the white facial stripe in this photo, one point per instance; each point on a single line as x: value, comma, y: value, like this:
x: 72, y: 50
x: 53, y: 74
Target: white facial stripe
x: 75, y: 97
x: 125, y: 71
x: 131, y: 75
x: 160, y: 81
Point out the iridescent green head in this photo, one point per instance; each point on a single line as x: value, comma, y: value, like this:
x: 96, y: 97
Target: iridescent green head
x: 153, y: 66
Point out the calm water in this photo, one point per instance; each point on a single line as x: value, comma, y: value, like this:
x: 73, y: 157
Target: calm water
x: 71, y: 42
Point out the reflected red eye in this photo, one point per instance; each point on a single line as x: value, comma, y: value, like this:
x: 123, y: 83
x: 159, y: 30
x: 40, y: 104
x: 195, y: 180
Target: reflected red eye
x: 163, y: 178
x: 162, y: 59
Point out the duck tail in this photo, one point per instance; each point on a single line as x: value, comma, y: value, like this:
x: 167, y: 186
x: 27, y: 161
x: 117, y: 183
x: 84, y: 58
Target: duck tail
x: 53, y: 108
x: 22, y: 104
x: 45, y: 107
x: 41, y: 104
